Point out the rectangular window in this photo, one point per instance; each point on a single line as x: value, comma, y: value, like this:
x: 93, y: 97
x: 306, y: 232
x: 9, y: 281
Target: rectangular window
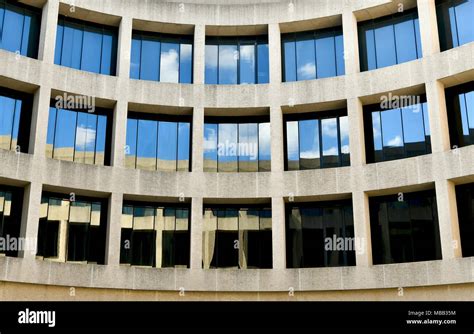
x: 11, y: 202
x: 15, y: 119
x: 313, y: 54
x: 86, y: 46
x: 320, y: 234
x: 79, y: 136
x: 316, y: 140
x: 455, y: 22
x: 389, y: 40
x: 237, y: 147
x: 72, y: 230
x: 237, y: 237
x: 465, y: 205
x: 154, y: 235
x: 237, y: 60
x: 404, y: 228
x: 158, y: 142
x: 460, y: 109
x: 161, y: 57
x: 19, y: 28
x: 399, y: 132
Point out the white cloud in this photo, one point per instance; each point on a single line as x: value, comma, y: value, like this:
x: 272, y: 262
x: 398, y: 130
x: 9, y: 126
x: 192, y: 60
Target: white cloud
x: 169, y: 66
x: 307, y: 71
x: 247, y: 53
x: 84, y: 137
x: 329, y: 127
x: 186, y: 51
x: 397, y: 141
x: 311, y: 154
x: 331, y: 151
x: 345, y: 149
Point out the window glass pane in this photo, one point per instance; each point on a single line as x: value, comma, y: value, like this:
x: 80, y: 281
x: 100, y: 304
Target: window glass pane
x: 2, y: 15
x: 248, y: 147
x: 464, y: 12
x: 59, y: 43
x: 309, y: 144
x: 305, y: 59
x: 263, y: 66
x: 344, y: 135
x: 167, y: 146
x: 228, y: 57
x: 405, y: 41
x: 227, y: 149
x: 131, y: 148
x: 146, y: 144
x: 16, y: 125
x: 209, y: 252
x: 292, y: 141
x: 424, y: 108
x: 135, y: 58
x: 326, y: 56
x: 169, y: 71
x: 67, y: 45
x: 7, y: 113
x: 100, y: 140
x: 25, y: 35
x: 12, y: 30
x: 340, y: 55
x: 290, y: 60
x: 65, y: 132
x: 385, y: 46
x: 247, y: 64
x: 371, y: 54
x: 210, y: 147
x: 330, y: 142
x: 377, y: 133
x: 211, y: 64
x: 392, y: 134
x: 454, y: 29
x: 51, y: 131
x: 109, y: 49
x: 77, y: 37
x: 264, y: 147
x: 413, y: 130
x: 149, y: 67
x: 91, y: 50
x: 464, y: 113
x: 419, y: 51
x: 81, y: 137
x: 186, y: 63
x: 184, y: 134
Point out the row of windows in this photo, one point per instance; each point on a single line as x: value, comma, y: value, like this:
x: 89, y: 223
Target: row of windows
x: 404, y: 228
x: 384, y: 41
x: 238, y: 144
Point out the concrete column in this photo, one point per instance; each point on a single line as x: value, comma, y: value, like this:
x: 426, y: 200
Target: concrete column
x: 198, y: 140
x: 39, y: 121
x: 274, y: 48
x: 30, y: 218
x: 119, y: 131
x: 276, y: 135
x: 448, y: 219
x: 124, y: 47
x: 360, y: 205
x: 351, y: 42
x: 199, y: 52
x: 112, y: 243
x: 196, y: 232
x: 47, y: 39
x: 438, y: 116
x: 428, y: 27
x: 356, y: 131
x: 278, y: 233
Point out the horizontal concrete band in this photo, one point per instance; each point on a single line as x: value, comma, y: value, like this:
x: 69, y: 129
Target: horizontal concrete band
x: 339, y: 278
x: 456, y: 165
x: 415, y: 73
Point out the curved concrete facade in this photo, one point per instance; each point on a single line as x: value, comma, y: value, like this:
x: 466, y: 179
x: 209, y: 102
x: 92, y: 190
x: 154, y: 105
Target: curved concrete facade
x: 441, y: 170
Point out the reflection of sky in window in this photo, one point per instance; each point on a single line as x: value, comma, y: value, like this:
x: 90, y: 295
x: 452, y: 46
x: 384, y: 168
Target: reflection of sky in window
x: 211, y: 64
x: 248, y: 142
x: 329, y: 136
x: 344, y: 134
x: 309, y: 139
x: 392, y: 128
x: 131, y: 137
x: 135, y: 58
x: 290, y: 61
x: 12, y: 31
x: 147, y: 137
x: 326, y: 57
x: 247, y: 64
x: 376, y: 128
x: 413, y: 124
x: 227, y: 142
x: 186, y: 63
x: 264, y: 148
x: 169, y: 71
x: 263, y: 63
x: 292, y: 140
x: 91, y: 50
x: 167, y: 140
x: 149, y: 69
x: 464, y: 15
x: 65, y: 128
x: 305, y: 60
x: 184, y: 130
x: 7, y: 109
x: 405, y: 41
x: 228, y: 64
x: 385, y: 46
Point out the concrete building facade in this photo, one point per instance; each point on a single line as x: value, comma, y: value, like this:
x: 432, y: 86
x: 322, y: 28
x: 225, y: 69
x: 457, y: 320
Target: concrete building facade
x: 28, y: 278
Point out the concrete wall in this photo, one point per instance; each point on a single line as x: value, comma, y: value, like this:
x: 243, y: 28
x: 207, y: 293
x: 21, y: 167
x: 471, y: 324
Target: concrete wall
x: 440, y: 170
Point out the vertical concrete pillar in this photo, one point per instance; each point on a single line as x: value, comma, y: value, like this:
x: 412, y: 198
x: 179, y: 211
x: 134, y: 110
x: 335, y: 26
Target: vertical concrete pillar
x: 196, y: 232
x: 276, y: 135
x: 428, y: 27
x: 199, y: 53
x: 112, y: 243
x: 274, y: 48
x: 30, y: 218
x: 124, y: 47
x: 198, y: 140
x: 278, y: 233
x: 39, y: 121
x: 360, y: 207
x: 356, y: 131
x: 351, y: 42
x: 448, y: 219
x: 47, y: 39
x: 438, y: 116
x: 119, y: 131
